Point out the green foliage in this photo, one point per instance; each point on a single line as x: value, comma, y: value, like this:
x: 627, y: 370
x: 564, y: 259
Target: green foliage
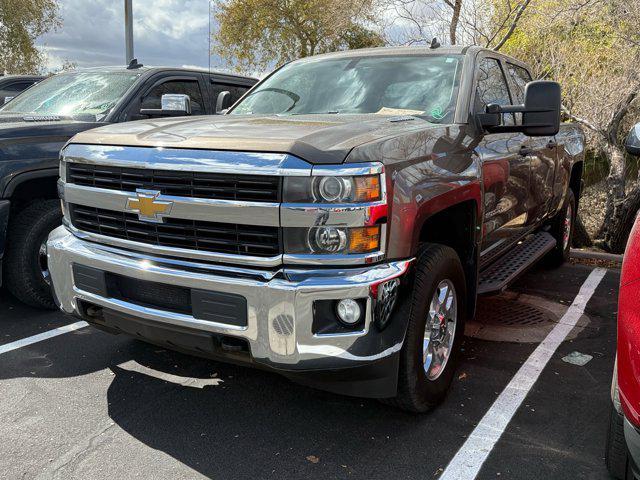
x: 258, y: 33
x: 21, y: 22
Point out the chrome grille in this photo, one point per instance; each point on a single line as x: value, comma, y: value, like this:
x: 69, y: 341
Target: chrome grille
x: 255, y: 188
x: 190, y: 234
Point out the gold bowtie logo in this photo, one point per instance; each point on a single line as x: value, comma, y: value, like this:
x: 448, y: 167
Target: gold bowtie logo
x: 148, y: 207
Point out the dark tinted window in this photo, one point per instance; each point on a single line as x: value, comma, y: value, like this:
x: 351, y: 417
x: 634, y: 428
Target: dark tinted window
x: 235, y: 91
x: 492, y: 88
x: 184, y: 87
x: 18, y: 87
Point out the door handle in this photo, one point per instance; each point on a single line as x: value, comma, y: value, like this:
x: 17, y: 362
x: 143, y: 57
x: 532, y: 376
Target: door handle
x: 524, y: 151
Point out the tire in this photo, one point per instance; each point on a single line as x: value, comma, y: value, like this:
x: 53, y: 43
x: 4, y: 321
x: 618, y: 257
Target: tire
x: 417, y: 392
x: 559, y: 226
x: 615, y: 456
x: 22, y: 271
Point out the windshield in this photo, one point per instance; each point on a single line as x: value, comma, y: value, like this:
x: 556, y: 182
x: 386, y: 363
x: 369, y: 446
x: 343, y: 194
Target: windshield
x: 399, y: 85
x: 79, y: 95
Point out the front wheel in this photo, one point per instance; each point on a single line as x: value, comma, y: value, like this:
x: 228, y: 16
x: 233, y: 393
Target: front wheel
x: 436, y: 311
x: 25, y: 270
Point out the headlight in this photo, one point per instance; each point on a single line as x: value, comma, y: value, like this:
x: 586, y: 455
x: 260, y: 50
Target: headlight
x: 336, y: 212
x: 332, y: 189
x: 327, y: 240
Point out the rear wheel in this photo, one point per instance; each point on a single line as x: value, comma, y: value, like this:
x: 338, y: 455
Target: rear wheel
x: 562, y: 231
x: 436, y: 311
x: 25, y: 270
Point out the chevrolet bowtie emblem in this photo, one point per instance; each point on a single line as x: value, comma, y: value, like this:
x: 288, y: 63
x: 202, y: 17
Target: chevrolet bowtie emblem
x: 148, y: 207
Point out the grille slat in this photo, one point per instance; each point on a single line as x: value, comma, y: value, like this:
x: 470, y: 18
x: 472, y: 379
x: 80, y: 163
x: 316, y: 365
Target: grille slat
x: 191, y: 234
x: 256, y: 188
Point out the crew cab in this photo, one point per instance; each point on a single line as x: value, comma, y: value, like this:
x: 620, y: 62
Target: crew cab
x: 34, y: 127
x: 336, y: 225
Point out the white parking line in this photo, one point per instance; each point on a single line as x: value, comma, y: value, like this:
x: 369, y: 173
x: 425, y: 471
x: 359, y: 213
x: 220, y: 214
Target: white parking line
x: 467, y: 462
x: 41, y: 336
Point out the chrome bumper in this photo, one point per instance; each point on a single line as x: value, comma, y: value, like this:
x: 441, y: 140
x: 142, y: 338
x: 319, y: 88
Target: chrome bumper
x: 272, y: 301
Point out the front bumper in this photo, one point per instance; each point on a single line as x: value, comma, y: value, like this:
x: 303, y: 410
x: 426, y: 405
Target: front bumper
x: 274, y: 301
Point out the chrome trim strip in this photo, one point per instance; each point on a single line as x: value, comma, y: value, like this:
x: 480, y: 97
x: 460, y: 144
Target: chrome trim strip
x: 202, y: 209
x: 313, y: 214
x: 176, y: 263
x: 210, y: 161
x: 177, y: 252
x: 346, y: 169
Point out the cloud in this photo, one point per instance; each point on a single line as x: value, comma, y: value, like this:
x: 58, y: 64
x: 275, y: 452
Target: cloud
x: 166, y: 32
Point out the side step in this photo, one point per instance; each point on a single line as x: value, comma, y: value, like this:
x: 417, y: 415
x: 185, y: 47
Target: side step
x: 497, y: 276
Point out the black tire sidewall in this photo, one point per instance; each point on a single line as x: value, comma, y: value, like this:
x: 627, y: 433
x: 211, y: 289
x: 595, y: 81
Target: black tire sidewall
x: 430, y: 275
x: 22, y: 272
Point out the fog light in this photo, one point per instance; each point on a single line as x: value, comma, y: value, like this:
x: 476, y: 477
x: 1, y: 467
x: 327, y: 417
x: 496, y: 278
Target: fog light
x: 348, y: 311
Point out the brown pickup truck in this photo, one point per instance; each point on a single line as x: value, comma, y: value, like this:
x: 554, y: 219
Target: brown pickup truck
x: 336, y: 225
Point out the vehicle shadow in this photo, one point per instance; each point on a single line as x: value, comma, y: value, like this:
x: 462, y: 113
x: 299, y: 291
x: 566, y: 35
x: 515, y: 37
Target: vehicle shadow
x: 256, y: 424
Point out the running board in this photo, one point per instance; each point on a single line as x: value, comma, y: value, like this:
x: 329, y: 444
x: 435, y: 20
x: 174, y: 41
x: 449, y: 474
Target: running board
x: 497, y: 276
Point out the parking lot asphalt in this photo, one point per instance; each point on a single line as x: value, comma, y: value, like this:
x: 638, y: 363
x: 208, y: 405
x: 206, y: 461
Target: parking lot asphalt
x: 90, y: 405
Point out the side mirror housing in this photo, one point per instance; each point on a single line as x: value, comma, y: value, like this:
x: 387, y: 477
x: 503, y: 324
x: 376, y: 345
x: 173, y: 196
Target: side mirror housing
x: 173, y: 105
x: 540, y: 112
x: 222, y: 102
x: 632, y: 144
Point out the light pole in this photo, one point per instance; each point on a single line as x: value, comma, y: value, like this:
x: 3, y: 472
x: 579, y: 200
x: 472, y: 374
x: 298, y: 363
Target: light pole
x: 128, y: 29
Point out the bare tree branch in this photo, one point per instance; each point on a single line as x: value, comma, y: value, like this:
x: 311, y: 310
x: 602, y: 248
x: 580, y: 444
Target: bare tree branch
x: 514, y: 24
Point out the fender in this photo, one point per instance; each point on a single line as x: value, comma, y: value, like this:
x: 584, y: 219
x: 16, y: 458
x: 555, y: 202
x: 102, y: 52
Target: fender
x: 13, y: 182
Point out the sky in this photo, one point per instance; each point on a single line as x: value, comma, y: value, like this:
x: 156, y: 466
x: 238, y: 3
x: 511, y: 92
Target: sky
x: 166, y: 32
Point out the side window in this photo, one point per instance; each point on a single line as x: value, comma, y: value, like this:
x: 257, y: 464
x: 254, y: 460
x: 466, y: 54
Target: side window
x: 185, y: 87
x: 492, y: 88
x: 236, y: 91
x: 520, y: 79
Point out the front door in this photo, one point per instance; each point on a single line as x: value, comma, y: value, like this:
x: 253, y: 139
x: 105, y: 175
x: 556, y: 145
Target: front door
x: 506, y: 166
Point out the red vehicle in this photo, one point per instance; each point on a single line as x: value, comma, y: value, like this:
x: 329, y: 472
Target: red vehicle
x: 623, y: 440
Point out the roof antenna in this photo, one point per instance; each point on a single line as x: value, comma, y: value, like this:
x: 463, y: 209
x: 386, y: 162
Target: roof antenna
x: 434, y: 44
x: 133, y: 64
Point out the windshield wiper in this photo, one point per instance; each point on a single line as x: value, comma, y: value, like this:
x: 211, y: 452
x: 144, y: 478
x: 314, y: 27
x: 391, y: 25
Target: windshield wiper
x: 331, y: 112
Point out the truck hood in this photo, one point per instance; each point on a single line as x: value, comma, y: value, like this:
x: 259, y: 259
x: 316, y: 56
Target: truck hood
x: 314, y: 138
x: 36, y: 140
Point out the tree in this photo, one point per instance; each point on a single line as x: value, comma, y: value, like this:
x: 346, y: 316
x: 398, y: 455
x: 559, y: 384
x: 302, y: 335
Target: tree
x: 489, y: 23
x: 593, y: 49
x: 21, y: 22
x: 259, y: 33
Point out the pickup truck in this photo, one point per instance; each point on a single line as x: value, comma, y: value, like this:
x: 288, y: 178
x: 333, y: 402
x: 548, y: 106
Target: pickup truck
x: 335, y: 226
x: 34, y: 127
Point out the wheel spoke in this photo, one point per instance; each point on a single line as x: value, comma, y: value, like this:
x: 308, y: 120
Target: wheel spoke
x: 439, y: 329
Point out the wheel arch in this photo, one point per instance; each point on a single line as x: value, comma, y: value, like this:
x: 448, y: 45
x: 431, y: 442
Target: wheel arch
x: 456, y: 226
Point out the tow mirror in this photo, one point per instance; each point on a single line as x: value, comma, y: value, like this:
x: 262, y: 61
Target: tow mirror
x: 223, y: 102
x: 173, y: 105
x: 632, y: 143
x: 540, y: 112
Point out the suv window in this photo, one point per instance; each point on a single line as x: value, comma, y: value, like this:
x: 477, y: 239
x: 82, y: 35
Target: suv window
x: 185, y: 87
x: 492, y: 88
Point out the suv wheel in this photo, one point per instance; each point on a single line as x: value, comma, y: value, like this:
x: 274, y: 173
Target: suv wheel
x: 615, y: 455
x: 25, y: 271
x: 436, y: 310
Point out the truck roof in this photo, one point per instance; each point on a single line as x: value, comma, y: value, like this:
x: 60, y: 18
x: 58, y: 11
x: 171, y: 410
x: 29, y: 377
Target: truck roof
x: 412, y: 50
x: 146, y: 69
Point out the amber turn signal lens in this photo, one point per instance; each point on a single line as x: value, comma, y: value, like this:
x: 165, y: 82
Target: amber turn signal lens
x: 367, y: 188
x: 364, y: 239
